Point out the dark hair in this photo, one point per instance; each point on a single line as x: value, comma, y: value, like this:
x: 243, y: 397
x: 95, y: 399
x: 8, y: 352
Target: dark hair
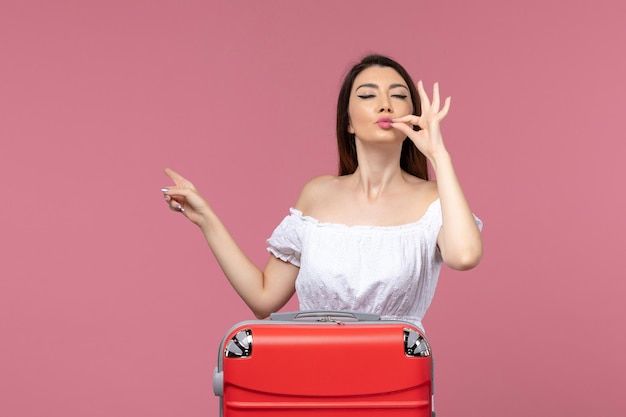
x: 411, y: 159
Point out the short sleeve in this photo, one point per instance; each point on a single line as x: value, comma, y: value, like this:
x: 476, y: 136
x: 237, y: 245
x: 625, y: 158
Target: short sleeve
x: 286, y: 240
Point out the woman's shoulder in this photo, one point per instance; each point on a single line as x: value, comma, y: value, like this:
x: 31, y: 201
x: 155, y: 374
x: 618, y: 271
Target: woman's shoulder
x: 423, y: 188
x: 317, y: 189
x: 316, y: 183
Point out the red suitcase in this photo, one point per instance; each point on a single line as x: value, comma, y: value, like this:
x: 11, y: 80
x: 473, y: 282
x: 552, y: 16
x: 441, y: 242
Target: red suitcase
x: 330, y: 363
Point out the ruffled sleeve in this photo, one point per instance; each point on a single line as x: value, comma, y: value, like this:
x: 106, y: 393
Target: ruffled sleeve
x: 286, y: 240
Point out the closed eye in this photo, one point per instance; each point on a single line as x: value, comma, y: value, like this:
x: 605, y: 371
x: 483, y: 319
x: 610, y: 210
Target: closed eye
x: 366, y: 96
x: 400, y: 96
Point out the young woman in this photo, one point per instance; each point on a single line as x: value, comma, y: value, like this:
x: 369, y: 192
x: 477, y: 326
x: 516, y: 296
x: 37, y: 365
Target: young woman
x: 372, y: 239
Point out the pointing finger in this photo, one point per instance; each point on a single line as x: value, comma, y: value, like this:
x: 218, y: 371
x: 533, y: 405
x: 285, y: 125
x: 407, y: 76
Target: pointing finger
x: 178, y: 179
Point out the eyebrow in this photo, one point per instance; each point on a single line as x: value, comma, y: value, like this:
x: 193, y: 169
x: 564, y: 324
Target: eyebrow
x: 372, y: 85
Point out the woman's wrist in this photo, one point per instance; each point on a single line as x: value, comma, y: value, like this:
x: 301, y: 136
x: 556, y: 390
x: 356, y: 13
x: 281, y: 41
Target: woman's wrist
x: 440, y: 158
x: 206, y: 221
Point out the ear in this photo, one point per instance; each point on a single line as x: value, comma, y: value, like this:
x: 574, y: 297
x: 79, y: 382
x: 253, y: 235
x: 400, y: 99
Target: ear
x: 350, y: 130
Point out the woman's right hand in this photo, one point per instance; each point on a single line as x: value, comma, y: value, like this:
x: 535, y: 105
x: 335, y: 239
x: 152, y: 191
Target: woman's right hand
x: 264, y: 291
x: 184, y: 198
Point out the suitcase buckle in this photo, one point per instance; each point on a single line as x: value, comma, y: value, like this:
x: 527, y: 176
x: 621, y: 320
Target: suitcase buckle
x: 415, y: 345
x: 240, y: 346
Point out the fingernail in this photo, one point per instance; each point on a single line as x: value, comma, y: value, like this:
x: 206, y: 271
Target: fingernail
x: 180, y: 208
x: 164, y: 190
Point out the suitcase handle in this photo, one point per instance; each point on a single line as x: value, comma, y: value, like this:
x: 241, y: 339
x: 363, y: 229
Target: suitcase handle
x: 324, y: 315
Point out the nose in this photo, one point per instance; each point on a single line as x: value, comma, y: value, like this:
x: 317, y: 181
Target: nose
x: 385, y: 106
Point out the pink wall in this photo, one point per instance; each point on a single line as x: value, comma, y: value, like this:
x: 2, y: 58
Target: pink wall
x: 111, y: 305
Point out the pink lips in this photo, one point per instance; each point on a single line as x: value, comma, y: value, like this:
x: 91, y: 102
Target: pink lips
x: 384, y: 122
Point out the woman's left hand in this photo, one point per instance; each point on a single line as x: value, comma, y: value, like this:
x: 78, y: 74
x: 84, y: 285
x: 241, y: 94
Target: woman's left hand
x: 428, y: 139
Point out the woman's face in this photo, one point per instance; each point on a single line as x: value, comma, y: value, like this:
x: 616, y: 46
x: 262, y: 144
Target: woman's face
x: 378, y: 94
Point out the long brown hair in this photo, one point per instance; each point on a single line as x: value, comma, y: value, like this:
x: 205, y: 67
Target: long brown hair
x: 411, y: 159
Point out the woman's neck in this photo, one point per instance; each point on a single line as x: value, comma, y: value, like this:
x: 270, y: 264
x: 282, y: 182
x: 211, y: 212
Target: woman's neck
x: 378, y: 169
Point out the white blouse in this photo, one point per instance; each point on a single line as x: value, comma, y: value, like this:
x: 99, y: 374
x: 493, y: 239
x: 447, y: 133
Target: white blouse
x: 391, y: 271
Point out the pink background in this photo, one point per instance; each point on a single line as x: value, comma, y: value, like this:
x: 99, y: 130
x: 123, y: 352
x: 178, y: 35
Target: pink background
x: 111, y: 305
